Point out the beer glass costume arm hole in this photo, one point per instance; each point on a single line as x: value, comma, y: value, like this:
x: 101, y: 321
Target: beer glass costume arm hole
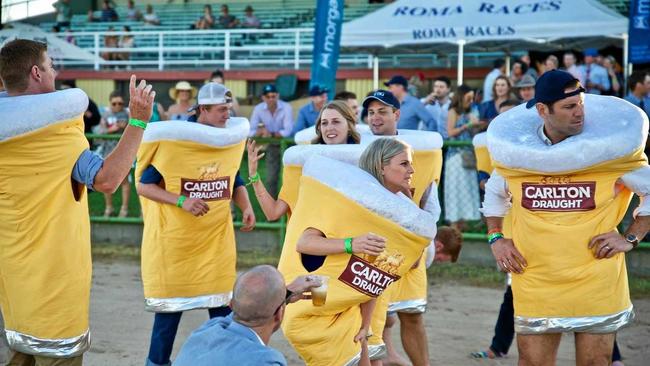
x: 86, y: 168
x: 314, y: 242
x: 497, y: 199
x: 638, y: 182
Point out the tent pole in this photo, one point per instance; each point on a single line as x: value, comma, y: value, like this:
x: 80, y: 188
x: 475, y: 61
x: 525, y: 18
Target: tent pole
x: 626, y: 61
x: 375, y: 72
x: 461, y: 56
x: 508, y: 60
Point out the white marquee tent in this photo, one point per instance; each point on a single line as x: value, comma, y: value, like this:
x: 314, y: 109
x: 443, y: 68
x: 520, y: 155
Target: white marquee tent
x: 57, y: 48
x: 486, y: 25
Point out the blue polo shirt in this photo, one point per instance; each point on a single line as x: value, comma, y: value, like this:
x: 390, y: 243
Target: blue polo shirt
x: 307, y: 116
x: 412, y: 111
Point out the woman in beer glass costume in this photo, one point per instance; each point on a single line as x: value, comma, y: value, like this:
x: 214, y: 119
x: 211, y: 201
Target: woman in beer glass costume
x: 366, y: 234
x: 335, y: 126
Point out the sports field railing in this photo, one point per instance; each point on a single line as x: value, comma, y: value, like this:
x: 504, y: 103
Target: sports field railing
x: 241, y: 49
x: 476, y: 231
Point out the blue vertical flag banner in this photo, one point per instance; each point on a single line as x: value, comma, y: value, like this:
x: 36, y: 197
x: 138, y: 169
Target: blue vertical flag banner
x: 639, y: 32
x: 327, y: 41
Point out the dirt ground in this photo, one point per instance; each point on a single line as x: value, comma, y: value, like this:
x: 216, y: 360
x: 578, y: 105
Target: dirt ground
x: 459, y: 320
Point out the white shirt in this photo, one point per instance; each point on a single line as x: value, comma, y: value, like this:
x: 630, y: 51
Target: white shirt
x: 439, y: 112
x: 498, y: 199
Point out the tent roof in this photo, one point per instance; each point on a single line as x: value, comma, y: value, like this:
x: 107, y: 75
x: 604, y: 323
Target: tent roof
x: 57, y: 48
x: 490, y: 23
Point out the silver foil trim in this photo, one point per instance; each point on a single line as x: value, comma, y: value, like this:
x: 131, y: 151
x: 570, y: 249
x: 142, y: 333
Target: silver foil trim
x: 417, y: 306
x: 64, y: 347
x: 591, y: 324
x: 176, y: 304
x: 375, y: 352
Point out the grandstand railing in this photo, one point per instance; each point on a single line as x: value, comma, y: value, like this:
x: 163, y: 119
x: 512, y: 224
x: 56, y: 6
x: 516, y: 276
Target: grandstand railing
x: 279, y: 226
x: 242, y: 48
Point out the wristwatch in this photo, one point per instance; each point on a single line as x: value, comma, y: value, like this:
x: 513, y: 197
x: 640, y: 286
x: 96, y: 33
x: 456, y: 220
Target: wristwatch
x: 632, y: 239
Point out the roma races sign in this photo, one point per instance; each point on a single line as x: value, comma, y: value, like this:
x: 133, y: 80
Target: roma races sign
x: 327, y: 41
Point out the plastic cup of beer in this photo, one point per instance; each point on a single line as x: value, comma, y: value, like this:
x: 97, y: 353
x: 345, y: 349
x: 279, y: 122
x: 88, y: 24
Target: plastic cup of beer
x: 319, y: 294
x: 371, y: 258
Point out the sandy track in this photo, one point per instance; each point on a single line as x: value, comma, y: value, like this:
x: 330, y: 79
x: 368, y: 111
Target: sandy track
x: 459, y: 320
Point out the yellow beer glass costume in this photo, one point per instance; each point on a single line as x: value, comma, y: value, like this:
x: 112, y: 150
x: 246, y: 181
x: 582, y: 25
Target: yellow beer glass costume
x: 483, y: 159
x: 188, y: 262
x: 409, y: 295
x: 341, y: 200
x: 295, y: 157
x: 562, y: 196
x: 45, y: 264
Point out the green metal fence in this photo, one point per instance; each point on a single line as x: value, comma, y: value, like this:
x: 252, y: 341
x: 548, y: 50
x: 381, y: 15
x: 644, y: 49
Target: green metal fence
x: 476, y: 231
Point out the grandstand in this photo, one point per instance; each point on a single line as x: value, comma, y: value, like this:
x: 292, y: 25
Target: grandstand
x: 283, y: 43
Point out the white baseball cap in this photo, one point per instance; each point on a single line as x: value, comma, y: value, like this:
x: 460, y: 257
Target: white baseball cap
x: 212, y: 93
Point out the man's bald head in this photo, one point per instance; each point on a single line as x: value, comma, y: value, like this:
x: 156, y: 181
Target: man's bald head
x: 258, y: 294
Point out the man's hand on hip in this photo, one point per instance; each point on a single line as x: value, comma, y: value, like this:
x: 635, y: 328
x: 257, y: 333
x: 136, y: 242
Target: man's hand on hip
x: 609, y: 244
x: 508, y: 257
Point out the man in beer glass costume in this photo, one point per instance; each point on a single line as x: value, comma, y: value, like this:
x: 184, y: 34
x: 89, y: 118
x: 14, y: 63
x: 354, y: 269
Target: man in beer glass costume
x: 45, y: 167
x: 188, y: 243
x: 409, y: 297
x: 357, y: 218
x: 570, y: 166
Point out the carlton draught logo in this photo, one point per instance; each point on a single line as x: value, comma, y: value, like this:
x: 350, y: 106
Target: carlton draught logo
x: 209, y: 186
x: 367, y: 278
x: 575, y: 196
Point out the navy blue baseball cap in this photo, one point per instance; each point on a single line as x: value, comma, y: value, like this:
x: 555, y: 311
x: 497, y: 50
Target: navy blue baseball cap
x: 317, y: 90
x: 550, y: 87
x: 269, y: 88
x: 383, y: 96
x: 398, y: 79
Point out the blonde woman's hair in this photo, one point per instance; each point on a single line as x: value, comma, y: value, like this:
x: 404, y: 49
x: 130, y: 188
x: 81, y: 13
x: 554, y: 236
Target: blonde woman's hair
x: 378, y: 154
x: 347, y: 113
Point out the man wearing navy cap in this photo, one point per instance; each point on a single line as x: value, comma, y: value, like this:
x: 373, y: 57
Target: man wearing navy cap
x: 596, y: 77
x: 308, y: 114
x: 383, y: 111
x: 566, y: 256
x: 272, y: 118
x: 412, y: 111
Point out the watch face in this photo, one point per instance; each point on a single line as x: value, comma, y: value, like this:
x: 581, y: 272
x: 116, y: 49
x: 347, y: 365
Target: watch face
x: 632, y: 238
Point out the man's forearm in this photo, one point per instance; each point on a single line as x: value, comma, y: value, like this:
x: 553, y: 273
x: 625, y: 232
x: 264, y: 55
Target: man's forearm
x: 494, y: 223
x: 156, y: 193
x: 118, y: 163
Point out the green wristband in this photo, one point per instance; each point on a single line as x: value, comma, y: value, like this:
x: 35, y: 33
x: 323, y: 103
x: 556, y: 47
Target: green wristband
x: 348, y: 245
x: 137, y: 123
x: 255, y: 178
x: 495, y: 235
x: 181, y: 200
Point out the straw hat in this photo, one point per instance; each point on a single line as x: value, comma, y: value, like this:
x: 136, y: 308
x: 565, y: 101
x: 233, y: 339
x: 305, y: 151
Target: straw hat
x: 182, y: 85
